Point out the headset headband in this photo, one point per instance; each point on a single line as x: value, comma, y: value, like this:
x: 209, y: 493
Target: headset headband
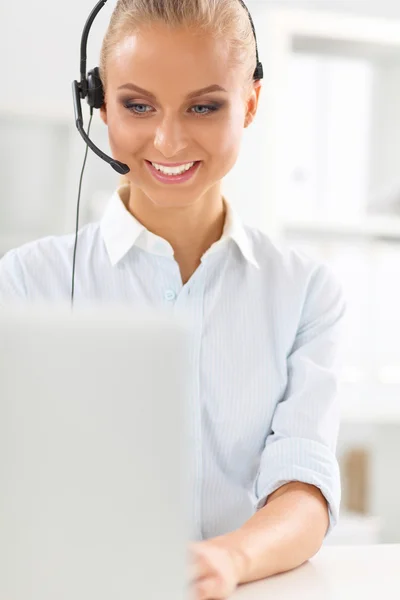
x: 90, y: 86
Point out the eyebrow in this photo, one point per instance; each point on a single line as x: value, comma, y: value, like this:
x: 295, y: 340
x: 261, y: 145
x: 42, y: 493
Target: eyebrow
x: 210, y: 88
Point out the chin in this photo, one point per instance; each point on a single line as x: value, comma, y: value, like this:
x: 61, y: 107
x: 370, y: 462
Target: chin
x: 170, y: 200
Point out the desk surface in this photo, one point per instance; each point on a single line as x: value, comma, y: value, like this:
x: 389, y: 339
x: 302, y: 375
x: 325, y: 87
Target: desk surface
x: 335, y: 573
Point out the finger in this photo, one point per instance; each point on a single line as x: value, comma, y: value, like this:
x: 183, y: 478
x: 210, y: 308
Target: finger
x: 199, y: 567
x: 210, y: 588
x: 198, y: 571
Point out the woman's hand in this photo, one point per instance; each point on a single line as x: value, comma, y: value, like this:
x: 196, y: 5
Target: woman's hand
x: 216, y: 569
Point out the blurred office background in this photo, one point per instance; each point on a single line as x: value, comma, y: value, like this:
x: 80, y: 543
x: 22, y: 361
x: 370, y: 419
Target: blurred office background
x: 319, y: 170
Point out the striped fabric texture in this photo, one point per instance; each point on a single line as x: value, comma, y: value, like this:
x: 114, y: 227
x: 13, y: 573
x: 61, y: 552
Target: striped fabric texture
x: 265, y: 325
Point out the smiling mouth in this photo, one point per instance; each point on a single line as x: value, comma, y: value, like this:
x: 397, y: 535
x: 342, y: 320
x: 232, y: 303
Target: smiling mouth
x: 179, y: 177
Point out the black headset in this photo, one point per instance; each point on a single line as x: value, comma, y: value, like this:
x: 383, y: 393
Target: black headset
x: 91, y: 88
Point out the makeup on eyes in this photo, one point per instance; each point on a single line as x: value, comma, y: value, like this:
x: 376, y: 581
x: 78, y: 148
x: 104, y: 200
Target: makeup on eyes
x: 211, y: 108
x: 193, y: 102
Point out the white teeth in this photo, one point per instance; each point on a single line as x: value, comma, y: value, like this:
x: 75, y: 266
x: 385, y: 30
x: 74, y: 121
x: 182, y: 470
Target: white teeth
x: 173, y: 170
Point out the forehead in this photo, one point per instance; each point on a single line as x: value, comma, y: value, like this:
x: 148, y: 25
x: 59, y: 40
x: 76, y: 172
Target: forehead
x: 159, y: 57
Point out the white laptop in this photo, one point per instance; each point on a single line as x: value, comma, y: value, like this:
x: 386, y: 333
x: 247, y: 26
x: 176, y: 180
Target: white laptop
x: 93, y: 455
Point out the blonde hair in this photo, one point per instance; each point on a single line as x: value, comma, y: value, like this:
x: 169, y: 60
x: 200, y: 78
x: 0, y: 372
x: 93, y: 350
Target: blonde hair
x: 223, y: 19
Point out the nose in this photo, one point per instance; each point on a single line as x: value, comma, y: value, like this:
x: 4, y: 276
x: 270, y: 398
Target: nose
x: 170, y: 138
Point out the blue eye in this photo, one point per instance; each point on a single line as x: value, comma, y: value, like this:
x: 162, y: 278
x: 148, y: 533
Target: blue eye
x: 131, y: 106
x: 209, y: 107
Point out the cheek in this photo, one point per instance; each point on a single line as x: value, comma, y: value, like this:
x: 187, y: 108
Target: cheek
x: 229, y: 134
x: 230, y: 142
x: 226, y: 146
x: 120, y: 134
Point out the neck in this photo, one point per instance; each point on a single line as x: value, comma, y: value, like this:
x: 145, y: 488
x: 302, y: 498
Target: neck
x: 190, y: 229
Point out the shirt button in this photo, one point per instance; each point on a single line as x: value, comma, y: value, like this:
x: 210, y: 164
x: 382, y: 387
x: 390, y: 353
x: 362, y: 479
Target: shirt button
x: 169, y: 295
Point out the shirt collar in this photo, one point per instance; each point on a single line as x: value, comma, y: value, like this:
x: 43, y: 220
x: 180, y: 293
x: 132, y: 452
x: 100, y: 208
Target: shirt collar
x: 121, y: 231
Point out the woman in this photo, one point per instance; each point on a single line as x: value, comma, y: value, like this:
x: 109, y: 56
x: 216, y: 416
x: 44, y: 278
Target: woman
x: 265, y: 322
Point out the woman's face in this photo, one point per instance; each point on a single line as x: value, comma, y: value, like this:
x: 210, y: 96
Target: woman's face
x: 174, y: 125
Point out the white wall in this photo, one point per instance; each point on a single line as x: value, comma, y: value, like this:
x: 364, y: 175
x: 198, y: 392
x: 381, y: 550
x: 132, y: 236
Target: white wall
x: 377, y: 8
x: 39, y: 50
x: 385, y: 146
x: 39, y: 45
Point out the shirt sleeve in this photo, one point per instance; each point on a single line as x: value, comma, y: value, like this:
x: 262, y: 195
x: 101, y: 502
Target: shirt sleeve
x: 12, y: 282
x: 302, y: 443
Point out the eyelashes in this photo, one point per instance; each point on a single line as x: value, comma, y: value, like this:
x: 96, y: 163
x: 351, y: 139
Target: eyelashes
x: 211, y: 109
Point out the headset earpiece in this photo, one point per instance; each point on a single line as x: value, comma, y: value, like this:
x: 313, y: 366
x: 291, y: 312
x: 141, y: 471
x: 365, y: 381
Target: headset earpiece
x: 90, y: 87
x: 95, y: 91
x: 258, y: 73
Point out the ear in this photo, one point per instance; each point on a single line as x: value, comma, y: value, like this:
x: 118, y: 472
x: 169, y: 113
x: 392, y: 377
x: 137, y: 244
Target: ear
x: 252, y: 103
x: 103, y: 113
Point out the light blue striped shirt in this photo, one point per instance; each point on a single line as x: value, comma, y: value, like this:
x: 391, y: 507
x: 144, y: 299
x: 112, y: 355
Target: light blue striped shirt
x: 265, y: 327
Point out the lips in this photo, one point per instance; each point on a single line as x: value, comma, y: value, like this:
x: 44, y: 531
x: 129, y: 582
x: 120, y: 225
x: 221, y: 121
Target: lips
x: 173, y: 179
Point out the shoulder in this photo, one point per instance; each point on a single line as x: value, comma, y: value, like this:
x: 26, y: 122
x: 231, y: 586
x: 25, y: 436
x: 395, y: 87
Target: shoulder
x: 293, y: 274
x: 285, y: 261
x: 43, y: 266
